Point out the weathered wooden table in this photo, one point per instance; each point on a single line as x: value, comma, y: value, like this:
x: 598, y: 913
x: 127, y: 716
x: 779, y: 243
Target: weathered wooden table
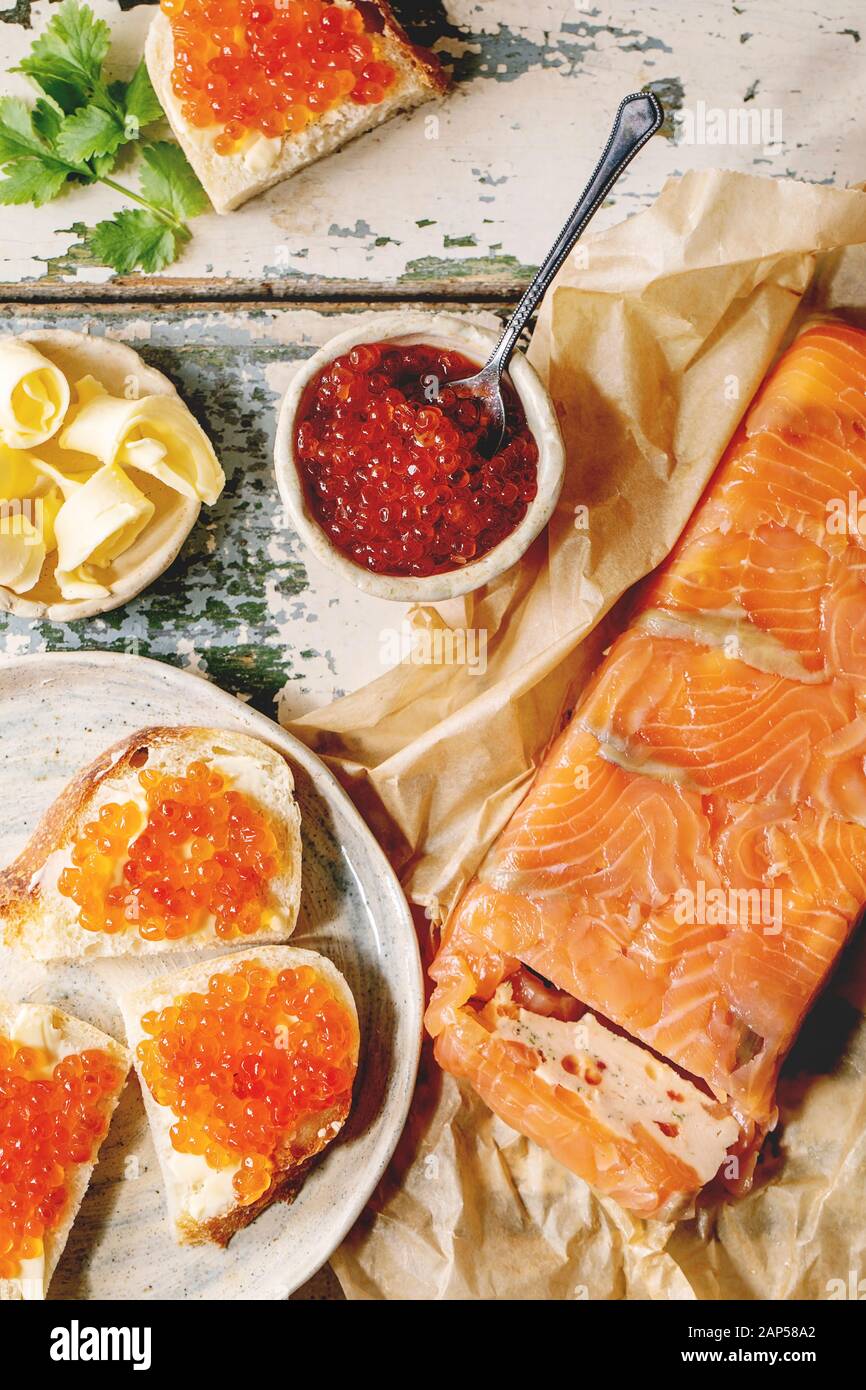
x: 452, y: 212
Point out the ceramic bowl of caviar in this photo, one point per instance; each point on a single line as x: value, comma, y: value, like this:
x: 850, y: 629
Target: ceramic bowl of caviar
x: 378, y: 466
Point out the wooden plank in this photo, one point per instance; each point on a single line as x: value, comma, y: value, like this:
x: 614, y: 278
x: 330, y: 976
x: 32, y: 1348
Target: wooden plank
x: 244, y: 604
x: 470, y: 201
x: 134, y: 289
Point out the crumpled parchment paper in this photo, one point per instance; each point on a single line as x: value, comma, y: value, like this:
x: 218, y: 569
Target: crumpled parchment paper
x: 652, y: 342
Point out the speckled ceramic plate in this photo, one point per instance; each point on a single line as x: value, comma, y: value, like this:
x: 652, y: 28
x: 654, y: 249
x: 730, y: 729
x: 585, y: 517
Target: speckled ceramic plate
x: 56, y: 713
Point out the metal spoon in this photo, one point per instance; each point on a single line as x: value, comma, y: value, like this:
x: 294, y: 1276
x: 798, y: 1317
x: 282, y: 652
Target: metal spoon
x: 639, y: 116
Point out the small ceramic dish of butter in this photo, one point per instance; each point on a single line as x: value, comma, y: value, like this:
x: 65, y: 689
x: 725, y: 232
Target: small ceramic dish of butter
x: 103, y: 470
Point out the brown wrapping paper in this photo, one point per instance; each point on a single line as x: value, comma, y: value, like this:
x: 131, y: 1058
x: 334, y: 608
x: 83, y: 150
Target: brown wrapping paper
x: 652, y: 342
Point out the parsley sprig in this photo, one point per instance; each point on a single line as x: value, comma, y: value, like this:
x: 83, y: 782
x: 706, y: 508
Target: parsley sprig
x: 77, y: 130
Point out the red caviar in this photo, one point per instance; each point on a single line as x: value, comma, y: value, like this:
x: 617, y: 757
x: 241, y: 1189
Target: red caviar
x: 53, y: 1116
x: 241, y: 1066
x: 273, y: 68
x: 202, y: 852
x: 389, y: 458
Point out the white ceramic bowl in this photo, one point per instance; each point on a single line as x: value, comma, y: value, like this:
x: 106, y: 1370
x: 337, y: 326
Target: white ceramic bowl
x: 476, y: 343
x: 114, y: 365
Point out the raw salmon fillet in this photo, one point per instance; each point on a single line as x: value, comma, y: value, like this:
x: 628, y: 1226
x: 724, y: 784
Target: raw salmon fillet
x: 781, y: 601
x: 692, y: 854
x: 717, y: 725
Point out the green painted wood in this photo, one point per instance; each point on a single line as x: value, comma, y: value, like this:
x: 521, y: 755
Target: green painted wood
x: 244, y: 603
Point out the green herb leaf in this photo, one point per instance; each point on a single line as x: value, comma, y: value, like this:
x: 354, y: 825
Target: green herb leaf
x: 66, y: 61
x: 76, y: 130
x: 102, y: 164
x: 168, y: 180
x: 20, y: 139
x: 139, y: 100
x: 46, y: 117
x: 29, y: 180
x: 134, y: 240
x: 17, y: 134
x: 87, y: 132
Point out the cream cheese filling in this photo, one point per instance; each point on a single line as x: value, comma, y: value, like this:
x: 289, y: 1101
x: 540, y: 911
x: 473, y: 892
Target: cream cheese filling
x: 626, y: 1087
x: 202, y: 1192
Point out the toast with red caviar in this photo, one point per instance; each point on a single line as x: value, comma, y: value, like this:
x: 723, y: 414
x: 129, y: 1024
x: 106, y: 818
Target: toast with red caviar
x: 60, y: 1081
x: 272, y: 1038
x: 247, y: 125
x: 174, y: 838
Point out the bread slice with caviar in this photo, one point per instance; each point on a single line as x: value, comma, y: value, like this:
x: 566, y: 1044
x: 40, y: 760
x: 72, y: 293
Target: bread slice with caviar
x: 174, y: 838
x: 29, y: 1088
x: 274, y: 1033
x: 256, y: 161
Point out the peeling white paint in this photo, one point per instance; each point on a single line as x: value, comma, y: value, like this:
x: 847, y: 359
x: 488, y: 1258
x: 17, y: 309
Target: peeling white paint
x: 555, y: 73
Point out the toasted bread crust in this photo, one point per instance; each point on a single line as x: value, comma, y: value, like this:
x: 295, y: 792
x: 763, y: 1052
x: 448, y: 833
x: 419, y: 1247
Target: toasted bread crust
x: 19, y: 888
x: 426, y: 64
x: 284, y: 1188
x: 290, y: 1173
